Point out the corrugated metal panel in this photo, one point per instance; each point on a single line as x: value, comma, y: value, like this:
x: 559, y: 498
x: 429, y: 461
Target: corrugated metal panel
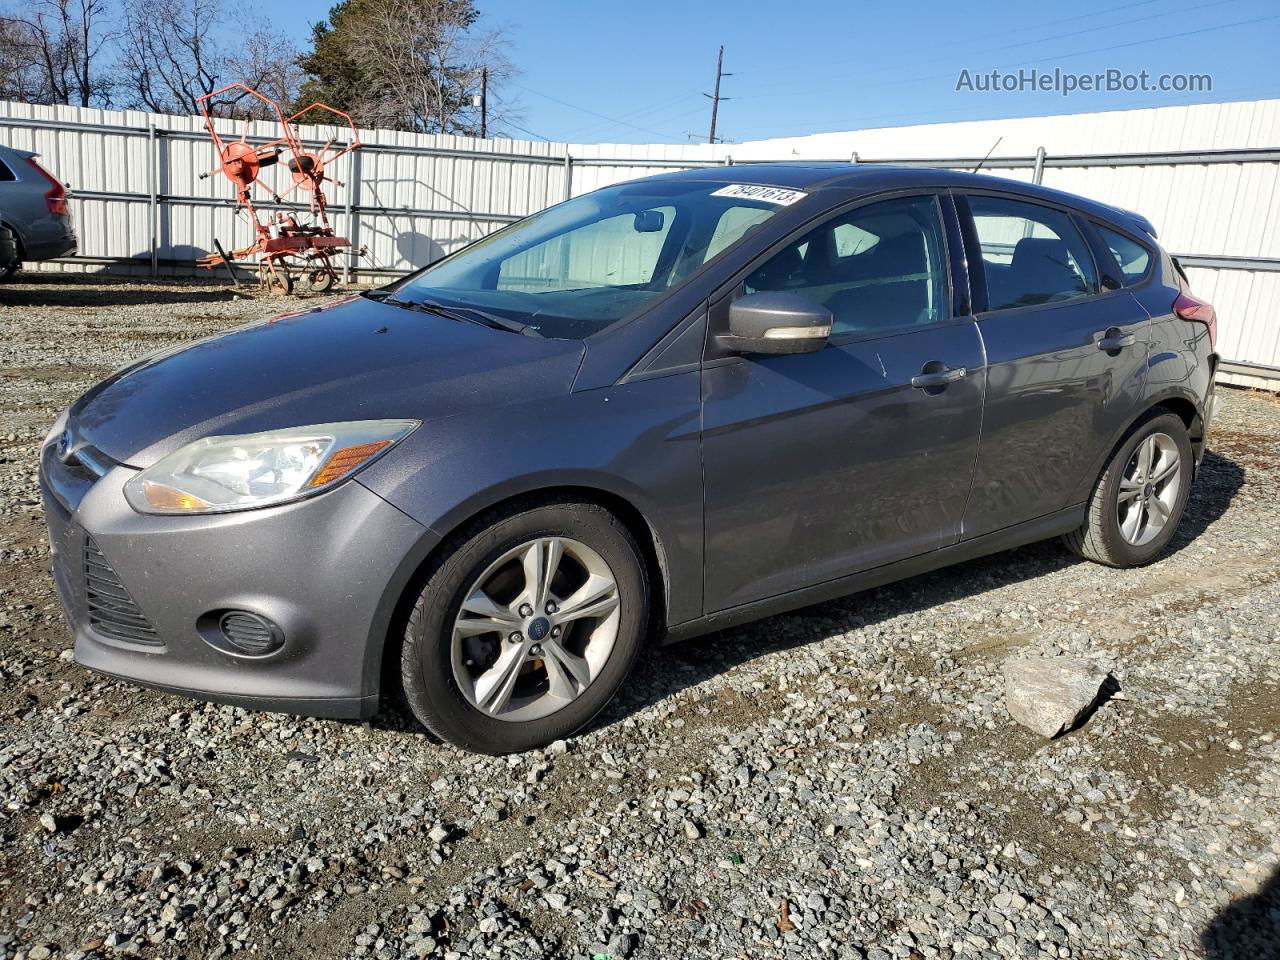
x: 417, y: 197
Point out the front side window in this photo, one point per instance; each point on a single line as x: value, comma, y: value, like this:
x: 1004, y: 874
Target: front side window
x: 1031, y: 254
x: 574, y: 269
x: 876, y: 268
x: 1132, y: 257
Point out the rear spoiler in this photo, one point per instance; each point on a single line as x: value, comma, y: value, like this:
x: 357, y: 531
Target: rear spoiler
x: 1134, y: 220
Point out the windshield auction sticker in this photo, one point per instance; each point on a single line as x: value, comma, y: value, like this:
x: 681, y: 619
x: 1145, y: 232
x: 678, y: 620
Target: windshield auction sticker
x: 752, y: 191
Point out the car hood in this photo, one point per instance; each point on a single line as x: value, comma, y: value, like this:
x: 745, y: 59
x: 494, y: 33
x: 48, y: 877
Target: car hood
x: 355, y: 359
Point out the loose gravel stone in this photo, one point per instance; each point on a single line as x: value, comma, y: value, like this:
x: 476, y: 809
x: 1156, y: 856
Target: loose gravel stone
x: 852, y: 761
x: 1051, y: 694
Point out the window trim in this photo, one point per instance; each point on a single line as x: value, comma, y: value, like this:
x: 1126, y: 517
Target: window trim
x: 1074, y: 215
x: 725, y: 293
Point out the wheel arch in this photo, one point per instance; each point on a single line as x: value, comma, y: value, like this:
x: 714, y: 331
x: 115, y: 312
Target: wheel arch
x: 1179, y: 402
x: 382, y: 659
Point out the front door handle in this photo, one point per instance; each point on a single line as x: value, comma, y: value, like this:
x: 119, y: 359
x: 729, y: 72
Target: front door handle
x: 935, y: 375
x: 1113, y: 340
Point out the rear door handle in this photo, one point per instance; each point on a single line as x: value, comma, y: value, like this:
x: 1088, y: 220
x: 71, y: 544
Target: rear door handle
x: 938, y: 378
x: 1113, y: 339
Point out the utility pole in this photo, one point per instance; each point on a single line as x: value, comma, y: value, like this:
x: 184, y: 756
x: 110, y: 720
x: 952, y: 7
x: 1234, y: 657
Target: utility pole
x: 716, y: 98
x: 484, y: 103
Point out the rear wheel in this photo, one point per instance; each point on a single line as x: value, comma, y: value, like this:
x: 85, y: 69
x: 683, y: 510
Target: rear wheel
x: 8, y: 270
x: 1140, y: 497
x: 527, y: 629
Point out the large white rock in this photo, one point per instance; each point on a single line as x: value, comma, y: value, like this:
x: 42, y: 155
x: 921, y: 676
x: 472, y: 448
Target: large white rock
x: 1051, y: 694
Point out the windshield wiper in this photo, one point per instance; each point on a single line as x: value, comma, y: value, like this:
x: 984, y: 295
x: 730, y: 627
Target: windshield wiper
x: 464, y: 314
x: 482, y: 317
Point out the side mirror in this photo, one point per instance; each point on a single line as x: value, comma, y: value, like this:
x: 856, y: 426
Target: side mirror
x: 776, y: 322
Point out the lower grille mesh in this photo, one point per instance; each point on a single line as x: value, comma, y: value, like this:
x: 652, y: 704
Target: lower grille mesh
x: 112, y: 611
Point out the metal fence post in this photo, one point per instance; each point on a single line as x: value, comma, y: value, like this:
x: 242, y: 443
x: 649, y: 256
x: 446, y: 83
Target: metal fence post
x: 1038, y: 175
x: 153, y: 195
x: 353, y: 224
x: 568, y: 174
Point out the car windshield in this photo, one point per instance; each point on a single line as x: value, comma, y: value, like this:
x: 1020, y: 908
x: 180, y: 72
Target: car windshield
x: 574, y: 269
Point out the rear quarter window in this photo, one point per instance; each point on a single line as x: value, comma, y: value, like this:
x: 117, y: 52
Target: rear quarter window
x: 1133, y: 259
x: 6, y: 174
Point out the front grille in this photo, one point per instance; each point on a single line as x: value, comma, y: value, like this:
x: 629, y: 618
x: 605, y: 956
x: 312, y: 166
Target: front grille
x: 112, y: 611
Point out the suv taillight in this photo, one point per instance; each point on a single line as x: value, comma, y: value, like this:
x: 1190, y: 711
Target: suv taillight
x: 56, y: 195
x: 1197, y: 311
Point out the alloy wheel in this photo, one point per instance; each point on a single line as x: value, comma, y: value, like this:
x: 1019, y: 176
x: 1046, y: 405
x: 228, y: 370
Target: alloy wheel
x: 1149, y: 489
x: 535, y: 629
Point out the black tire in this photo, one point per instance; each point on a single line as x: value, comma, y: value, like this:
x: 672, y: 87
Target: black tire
x: 1100, y: 538
x: 426, y: 666
x: 8, y: 271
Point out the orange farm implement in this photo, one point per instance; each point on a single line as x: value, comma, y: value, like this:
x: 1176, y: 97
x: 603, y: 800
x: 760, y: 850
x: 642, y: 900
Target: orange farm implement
x: 286, y: 249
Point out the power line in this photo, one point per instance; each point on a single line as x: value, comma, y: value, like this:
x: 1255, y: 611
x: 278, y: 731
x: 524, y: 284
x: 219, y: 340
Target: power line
x: 593, y: 113
x: 516, y: 126
x: 1053, y: 58
x: 969, y: 54
x: 651, y: 111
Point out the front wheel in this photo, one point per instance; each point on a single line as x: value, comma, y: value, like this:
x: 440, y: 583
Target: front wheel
x: 1139, y: 499
x: 527, y: 629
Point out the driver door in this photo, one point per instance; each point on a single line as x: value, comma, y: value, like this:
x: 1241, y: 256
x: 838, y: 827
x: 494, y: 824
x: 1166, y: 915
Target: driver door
x: 821, y: 465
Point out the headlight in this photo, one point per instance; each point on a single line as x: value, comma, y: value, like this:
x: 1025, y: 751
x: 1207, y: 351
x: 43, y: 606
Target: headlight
x: 219, y: 474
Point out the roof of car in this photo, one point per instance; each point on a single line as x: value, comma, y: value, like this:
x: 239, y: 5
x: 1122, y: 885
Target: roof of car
x: 873, y: 177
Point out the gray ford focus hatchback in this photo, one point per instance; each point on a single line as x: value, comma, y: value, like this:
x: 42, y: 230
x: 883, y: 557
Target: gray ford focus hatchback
x: 662, y: 408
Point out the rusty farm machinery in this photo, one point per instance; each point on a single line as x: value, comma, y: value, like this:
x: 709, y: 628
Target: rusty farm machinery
x: 288, y: 251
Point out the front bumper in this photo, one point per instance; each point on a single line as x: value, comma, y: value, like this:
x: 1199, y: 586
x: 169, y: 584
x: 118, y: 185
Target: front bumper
x: 328, y: 571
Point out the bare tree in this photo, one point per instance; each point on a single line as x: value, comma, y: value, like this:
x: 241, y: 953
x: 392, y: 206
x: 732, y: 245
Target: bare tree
x: 172, y: 55
x: 428, y: 75
x: 267, y: 61
x: 50, y: 51
x: 407, y: 64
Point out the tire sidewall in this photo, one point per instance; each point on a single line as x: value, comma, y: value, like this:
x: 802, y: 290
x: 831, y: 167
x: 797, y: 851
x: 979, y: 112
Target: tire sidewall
x: 427, y: 667
x: 1126, y: 553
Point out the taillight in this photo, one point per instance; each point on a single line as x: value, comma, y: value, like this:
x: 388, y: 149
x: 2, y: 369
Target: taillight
x: 1197, y: 311
x: 56, y: 195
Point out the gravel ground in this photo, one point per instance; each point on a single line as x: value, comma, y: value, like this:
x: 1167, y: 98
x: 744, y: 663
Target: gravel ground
x: 843, y: 781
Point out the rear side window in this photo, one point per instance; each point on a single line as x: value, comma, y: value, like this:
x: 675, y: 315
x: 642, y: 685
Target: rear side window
x: 880, y: 267
x: 1032, y: 254
x: 1132, y: 257
x: 6, y: 175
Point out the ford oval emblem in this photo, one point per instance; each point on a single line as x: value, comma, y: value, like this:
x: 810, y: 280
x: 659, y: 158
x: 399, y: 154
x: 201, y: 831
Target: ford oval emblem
x: 539, y: 629
x: 64, y: 444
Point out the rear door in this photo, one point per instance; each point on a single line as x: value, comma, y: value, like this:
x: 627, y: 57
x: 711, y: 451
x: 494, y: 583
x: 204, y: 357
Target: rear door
x: 1066, y: 359
x: 820, y: 465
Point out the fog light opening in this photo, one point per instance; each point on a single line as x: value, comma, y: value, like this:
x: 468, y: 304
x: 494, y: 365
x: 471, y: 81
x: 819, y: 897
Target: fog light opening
x: 241, y: 633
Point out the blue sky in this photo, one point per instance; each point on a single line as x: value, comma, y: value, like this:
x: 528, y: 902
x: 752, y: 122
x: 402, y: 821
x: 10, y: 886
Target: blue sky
x: 635, y: 72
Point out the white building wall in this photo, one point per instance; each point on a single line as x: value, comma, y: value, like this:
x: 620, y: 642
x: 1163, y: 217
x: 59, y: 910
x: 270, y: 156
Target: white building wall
x: 419, y: 196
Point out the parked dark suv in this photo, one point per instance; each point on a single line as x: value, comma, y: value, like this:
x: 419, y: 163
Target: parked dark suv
x: 659, y: 409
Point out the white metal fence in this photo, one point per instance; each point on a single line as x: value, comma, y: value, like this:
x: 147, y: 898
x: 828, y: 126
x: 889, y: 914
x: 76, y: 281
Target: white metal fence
x: 142, y: 208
